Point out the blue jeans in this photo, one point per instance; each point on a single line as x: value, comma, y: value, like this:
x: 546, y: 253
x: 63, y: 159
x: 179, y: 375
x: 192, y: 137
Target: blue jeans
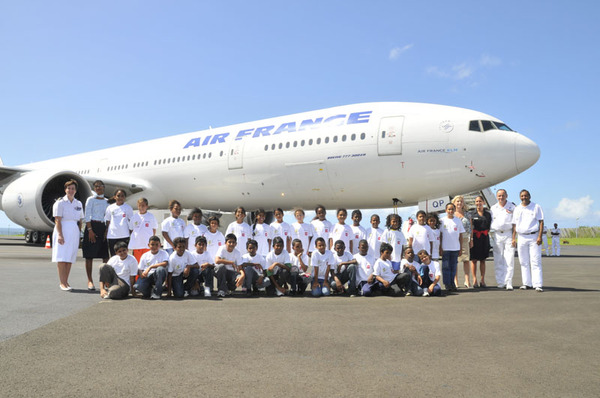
x: 437, y: 290
x: 347, y: 275
x: 449, y: 261
x: 207, y: 277
x: 179, y: 287
x: 320, y: 290
x: 157, y: 278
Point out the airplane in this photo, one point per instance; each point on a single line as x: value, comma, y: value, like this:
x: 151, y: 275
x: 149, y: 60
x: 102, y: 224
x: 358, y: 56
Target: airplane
x: 366, y: 155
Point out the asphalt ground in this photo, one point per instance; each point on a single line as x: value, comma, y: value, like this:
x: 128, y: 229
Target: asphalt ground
x: 488, y: 342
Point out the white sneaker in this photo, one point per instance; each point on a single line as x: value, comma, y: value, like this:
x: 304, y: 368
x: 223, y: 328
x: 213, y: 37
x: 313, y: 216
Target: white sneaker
x: 186, y: 294
x: 426, y: 294
x: 207, y: 292
x: 155, y: 296
x: 539, y: 289
x: 500, y: 286
x: 509, y: 287
x: 523, y: 287
x: 278, y: 293
x: 220, y: 293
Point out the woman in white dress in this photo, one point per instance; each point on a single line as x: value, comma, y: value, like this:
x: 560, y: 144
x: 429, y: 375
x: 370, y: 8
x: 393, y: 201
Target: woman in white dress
x: 68, y: 213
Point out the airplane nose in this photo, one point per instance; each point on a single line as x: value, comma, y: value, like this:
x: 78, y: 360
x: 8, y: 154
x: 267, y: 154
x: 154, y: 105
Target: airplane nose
x: 526, y: 153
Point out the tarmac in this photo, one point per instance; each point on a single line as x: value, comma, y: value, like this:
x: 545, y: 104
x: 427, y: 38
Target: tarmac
x: 478, y: 342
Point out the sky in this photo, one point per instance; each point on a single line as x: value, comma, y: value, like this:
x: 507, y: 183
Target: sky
x: 78, y: 76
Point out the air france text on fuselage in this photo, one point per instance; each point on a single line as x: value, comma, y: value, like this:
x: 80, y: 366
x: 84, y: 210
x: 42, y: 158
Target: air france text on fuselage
x: 290, y: 127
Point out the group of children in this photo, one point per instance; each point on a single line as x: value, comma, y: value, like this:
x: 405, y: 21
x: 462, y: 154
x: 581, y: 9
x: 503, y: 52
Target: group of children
x: 279, y: 259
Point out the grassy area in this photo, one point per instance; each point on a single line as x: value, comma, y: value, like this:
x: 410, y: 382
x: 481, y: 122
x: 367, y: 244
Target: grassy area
x: 581, y: 241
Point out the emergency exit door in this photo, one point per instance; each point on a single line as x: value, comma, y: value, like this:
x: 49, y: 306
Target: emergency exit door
x: 389, y: 140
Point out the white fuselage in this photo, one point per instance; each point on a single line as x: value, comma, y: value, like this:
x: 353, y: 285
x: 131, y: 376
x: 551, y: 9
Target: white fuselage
x: 356, y: 156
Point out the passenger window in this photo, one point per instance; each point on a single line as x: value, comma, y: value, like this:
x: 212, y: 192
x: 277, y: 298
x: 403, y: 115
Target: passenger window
x: 318, y: 141
x: 310, y: 142
x: 335, y: 138
x: 362, y: 136
x: 280, y: 145
x: 266, y: 147
x: 353, y: 137
x: 327, y: 140
x: 344, y: 138
x: 295, y: 144
x: 287, y: 144
x: 302, y: 143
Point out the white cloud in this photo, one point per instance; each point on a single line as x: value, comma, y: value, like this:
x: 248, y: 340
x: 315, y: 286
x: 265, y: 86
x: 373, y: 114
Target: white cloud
x: 462, y: 71
x: 397, y: 51
x: 489, y: 60
x: 574, y: 208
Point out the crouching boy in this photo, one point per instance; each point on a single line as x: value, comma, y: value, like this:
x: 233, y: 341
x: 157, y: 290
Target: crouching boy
x: 182, y: 265
x: 389, y: 281
x: 117, y: 276
x: 430, y: 275
x: 152, y: 270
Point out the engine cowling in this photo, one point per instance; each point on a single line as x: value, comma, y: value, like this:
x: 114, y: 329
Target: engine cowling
x: 28, y: 200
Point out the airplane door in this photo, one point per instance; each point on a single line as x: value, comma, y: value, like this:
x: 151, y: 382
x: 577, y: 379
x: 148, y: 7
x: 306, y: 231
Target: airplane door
x: 234, y: 157
x: 389, y: 140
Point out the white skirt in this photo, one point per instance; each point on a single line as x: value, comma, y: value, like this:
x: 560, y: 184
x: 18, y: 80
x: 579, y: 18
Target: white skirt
x: 67, y: 252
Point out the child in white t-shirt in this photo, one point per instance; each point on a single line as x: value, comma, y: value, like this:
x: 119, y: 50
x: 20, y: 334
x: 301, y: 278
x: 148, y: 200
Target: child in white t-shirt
x: 117, y: 276
x: 394, y: 237
x: 358, y: 232
x: 302, y: 230
x: 142, y: 225
x: 364, y: 269
x: 282, y: 229
x: 389, y: 280
x: 262, y: 233
x: 255, y: 268
x: 206, y: 262
x: 300, y: 277
x: 343, y: 270
x: 172, y: 227
x: 182, y: 266
x: 433, y: 222
x: 374, y: 235
x: 321, y: 227
x: 214, y: 238
x: 322, y: 261
x: 117, y: 216
x: 278, y: 268
x: 152, y: 270
x: 240, y: 229
x: 341, y: 231
x: 228, y: 272
x: 194, y: 229
x: 430, y: 275
x: 410, y: 266
x: 420, y: 236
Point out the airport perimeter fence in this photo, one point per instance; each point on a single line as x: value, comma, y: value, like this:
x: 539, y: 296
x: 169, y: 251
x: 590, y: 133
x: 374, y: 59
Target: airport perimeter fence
x: 581, y: 232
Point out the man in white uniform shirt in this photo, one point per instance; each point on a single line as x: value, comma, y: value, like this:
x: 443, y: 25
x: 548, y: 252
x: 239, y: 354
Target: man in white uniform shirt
x: 528, y: 223
x: 504, y: 252
x: 555, y: 233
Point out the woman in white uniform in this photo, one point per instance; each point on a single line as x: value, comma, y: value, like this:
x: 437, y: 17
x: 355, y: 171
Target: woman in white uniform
x: 67, y: 213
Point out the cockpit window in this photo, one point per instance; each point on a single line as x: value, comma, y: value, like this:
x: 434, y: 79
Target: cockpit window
x: 502, y: 126
x: 487, y: 125
x: 474, y: 125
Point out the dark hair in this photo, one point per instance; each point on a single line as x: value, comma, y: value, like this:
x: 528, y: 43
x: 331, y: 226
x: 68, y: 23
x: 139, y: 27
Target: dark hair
x: 356, y: 212
x: 423, y: 251
x: 120, y: 245
x: 154, y: 238
x: 339, y: 242
x: 172, y: 203
x: 317, y: 209
x: 388, y: 220
x: 360, y: 242
x: 376, y: 215
x: 177, y: 241
x: 214, y: 218
x: 251, y: 242
x: 296, y: 241
x: 435, y: 217
x: 421, y: 212
x: 98, y: 182
x: 277, y: 240
x: 341, y: 209
x: 319, y: 239
x: 386, y: 247
x: 256, y: 213
x: 194, y: 211
x: 279, y: 209
x: 200, y: 239
x: 231, y: 237
x: 240, y: 208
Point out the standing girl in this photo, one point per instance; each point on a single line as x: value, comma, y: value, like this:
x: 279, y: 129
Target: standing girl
x: 374, y: 236
x: 194, y: 229
x: 214, y: 237
x: 451, y: 241
x: 262, y: 233
x: 358, y: 232
x: 240, y: 229
x: 321, y: 227
x: 394, y: 237
x: 142, y: 225
x: 302, y: 230
x: 67, y: 212
x: 172, y: 227
x: 434, y: 223
x: 282, y: 229
x: 341, y: 231
x: 117, y: 218
x: 464, y: 216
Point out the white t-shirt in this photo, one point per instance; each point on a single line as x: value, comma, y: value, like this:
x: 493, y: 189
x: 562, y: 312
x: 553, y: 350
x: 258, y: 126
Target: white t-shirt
x: 214, y: 241
x: 527, y: 218
x: 321, y: 261
x: 262, y: 234
x: 124, y: 268
x: 295, y: 261
x: 374, y: 239
x: 142, y: 227
x: 283, y: 230
x: 422, y: 237
x: 502, y: 217
x: 303, y: 232
x: 191, y: 232
x: 272, y: 258
x: 257, y: 259
x: 174, y: 227
x: 343, y: 233
x: 364, y: 267
x: 347, y: 256
x: 358, y: 233
x: 234, y: 256
x: 384, y: 269
x: 203, y: 258
x: 555, y: 233
x: 177, y: 263
x: 434, y: 271
x: 404, y: 264
x: 451, y: 228
x: 119, y: 217
x: 321, y: 229
x: 397, y: 240
x: 242, y: 232
x: 149, y: 259
x: 436, y: 243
